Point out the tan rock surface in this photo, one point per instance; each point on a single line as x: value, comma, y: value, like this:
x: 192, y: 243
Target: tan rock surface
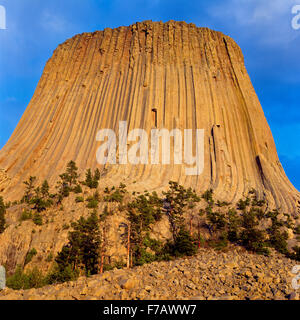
x: 234, y: 275
x: 194, y: 77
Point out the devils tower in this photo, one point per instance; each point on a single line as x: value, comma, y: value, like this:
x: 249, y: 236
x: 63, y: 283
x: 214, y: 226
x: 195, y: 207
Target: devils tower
x: 150, y: 74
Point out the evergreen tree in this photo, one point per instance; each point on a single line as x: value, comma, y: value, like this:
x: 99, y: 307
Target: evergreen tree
x: 41, y: 199
x: 82, y: 253
x: 179, y: 199
x: 92, y: 180
x: 45, y: 189
x: 184, y: 244
x: 72, y: 174
x: 68, y: 180
x: 88, y: 178
x: 29, y: 189
x: 2, y: 215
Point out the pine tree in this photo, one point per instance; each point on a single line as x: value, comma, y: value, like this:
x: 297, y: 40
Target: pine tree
x: 82, y: 253
x: 2, y: 215
x: 88, y: 178
x: 29, y: 189
x: 91, y: 180
x: 72, y: 173
x: 68, y: 180
x: 184, y: 244
x: 45, y: 189
x: 96, y: 178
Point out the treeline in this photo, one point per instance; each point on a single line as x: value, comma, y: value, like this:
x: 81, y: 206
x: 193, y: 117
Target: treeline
x: 86, y: 250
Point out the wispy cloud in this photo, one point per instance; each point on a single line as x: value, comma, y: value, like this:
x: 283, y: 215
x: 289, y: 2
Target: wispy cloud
x: 54, y: 22
x: 268, y: 20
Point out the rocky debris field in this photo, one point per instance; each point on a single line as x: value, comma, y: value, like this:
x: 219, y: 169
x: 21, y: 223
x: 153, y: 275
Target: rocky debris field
x: 210, y: 275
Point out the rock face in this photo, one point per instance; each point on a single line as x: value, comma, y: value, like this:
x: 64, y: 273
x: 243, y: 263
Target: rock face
x: 193, y: 78
x: 208, y: 276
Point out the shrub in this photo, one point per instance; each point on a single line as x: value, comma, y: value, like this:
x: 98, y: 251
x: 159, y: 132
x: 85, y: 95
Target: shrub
x: 115, y: 195
x: 208, y: 196
x: 26, y: 215
x: 77, y: 189
x: 26, y: 280
x: 30, y: 255
x: 221, y: 243
x: 217, y: 220
x: 243, y: 204
x: 37, y: 219
x: 60, y: 275
x: 278, y: 241
x: 79, y: 199
x: 49, y: 257
x: 295, y: 254
x: 184, y: 244
x: 93, y: 201
x: 254, y: 240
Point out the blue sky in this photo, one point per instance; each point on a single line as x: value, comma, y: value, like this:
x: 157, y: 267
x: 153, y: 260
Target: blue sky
x: 262, y: 28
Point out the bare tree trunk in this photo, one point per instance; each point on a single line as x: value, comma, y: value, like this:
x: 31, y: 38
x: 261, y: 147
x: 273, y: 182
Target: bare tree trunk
x: 101, y: 262
x: 128, y: 247
x: 199, y: 243
x: 131, y: 264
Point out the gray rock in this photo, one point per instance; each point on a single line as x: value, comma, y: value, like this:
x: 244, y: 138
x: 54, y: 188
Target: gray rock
x: 2, y: 278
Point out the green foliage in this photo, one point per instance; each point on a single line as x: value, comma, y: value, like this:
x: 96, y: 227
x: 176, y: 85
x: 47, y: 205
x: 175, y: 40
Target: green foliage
x: 142, y: 211
x: 29, y: 189
x: 217, y: 220
x: 115, y: 194
x: 26, y: 280
x: 254, y: 240
x: 26, y: 215
x: 243, y: 204
x: 60, y: 275
x: 221, y: 243
x: 179, y: 199
x: 2, y: 215
x: 77, y: 189
x: 49, y: 257
x: 233, y: 225
x: 208, y: 196
x: 92, y: 180
x: 183, y: 244
x: 30, y: 255
x: 37, y: 219
x: 119, y: 264
x: 295, y: 254
x: 93, y: 201
x: 81, y: 254
x: 45, y: 189
x: 65, y: 226
x: 222, y: 203
x: 105, y: 214
x: 278, y: 239
x: 79, y: 199
x: 68, y: 181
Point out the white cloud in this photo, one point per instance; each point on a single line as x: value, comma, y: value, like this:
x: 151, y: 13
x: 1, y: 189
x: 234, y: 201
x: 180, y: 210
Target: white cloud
x: 270, y: 20
x: 54, y: 22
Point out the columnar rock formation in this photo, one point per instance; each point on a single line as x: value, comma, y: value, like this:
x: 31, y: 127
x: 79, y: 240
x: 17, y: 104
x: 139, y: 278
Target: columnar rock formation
x: 193, y: 78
